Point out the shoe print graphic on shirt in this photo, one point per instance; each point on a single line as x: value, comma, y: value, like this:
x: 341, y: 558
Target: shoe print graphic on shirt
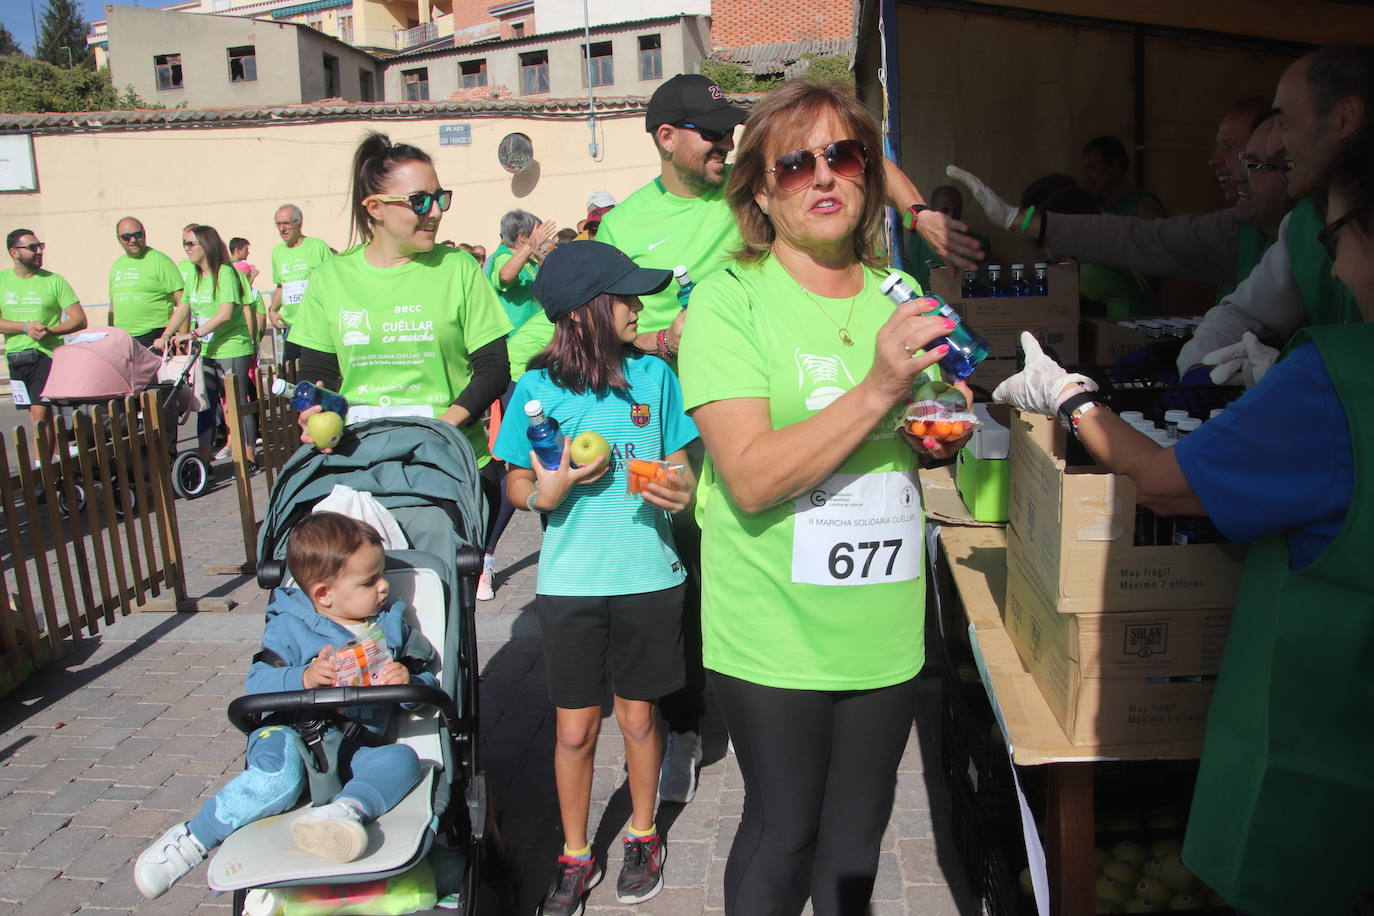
x: 821, y: 378
x: 355, y: 328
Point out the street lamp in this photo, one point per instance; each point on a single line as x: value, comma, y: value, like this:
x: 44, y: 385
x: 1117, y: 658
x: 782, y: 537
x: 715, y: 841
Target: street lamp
x: 69, y: 55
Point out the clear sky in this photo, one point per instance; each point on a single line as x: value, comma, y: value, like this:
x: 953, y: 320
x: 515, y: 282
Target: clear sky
x: 19, y: 16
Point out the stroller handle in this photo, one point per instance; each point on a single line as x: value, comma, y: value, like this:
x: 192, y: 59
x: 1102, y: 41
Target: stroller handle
x: 246, y: 712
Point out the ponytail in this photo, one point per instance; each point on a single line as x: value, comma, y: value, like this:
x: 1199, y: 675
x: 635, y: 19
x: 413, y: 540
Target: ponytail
x: 374, y: 159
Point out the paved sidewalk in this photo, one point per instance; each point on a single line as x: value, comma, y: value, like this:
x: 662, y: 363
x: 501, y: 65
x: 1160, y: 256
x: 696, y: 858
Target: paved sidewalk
x: 105, y: 749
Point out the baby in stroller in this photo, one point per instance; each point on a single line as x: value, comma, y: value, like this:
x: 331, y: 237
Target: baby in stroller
x: 337, y: 563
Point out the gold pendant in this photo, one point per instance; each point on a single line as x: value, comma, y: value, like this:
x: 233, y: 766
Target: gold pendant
x: 845, y: 338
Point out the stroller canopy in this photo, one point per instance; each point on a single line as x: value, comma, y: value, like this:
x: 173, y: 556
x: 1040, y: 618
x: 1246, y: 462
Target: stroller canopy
x: 101, y: 364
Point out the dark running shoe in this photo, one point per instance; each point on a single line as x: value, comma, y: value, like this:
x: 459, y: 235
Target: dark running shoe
x: 641, y: 877
x: 571, y: 883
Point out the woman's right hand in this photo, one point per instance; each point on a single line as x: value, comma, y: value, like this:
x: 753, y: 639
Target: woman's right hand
x: 553, y: 486
x: 896, y: 360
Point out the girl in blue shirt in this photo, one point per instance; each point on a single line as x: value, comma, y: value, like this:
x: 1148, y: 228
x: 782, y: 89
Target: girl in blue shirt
x: 610, y: 581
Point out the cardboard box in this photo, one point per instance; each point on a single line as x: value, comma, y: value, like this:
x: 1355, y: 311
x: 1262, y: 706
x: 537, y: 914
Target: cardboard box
x: 1105, y: 341
x: 991, y: 372
x: 1003, y: 340
x: 1140, y: 677
x: 1060, y: 307
x: 1076, y: 526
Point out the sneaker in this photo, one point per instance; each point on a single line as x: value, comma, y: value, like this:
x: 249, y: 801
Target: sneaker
x: 485, y: 591
x: 571, y: 883
x: 641, y: 877
x: 677, y: 779
x: 224, y: 454
x: 171, y: 856
x: 253, y: 468
x: 334, y: 831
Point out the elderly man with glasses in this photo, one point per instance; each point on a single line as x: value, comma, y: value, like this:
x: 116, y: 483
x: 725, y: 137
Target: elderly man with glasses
x: 145, y: 284
x: 292, y: 261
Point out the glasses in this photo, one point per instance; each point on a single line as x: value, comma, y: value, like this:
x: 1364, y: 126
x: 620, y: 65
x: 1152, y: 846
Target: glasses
x: 1251, y: 164
x: 287, y: 224
x: 130, y: 236
x: 795, y: 170
x: 707, y: 134
x: 36, y: 247
x: 188, y: 245
x: 1330, y: 233
x: 421, y: 202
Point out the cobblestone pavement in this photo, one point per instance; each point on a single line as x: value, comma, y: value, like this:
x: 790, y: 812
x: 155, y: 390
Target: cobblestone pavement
x: 106, y: 748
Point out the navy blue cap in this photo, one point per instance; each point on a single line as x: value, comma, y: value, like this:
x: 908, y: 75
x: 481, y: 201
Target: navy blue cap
x: 576, y: 273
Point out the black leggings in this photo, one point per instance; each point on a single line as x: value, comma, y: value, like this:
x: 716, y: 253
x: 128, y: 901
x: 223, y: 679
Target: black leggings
x: 819, y: 767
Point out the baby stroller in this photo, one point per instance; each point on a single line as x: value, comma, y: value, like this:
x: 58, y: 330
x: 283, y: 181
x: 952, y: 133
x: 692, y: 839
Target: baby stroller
x: 106, y: 363
x: 424, y: 473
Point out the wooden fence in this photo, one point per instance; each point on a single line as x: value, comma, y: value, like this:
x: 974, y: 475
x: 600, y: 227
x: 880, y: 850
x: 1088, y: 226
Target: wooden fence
x: 280, y: 436
x: 89, y: 533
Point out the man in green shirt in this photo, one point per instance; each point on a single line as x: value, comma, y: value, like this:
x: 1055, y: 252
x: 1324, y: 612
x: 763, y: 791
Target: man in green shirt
x: 145, y: 285
x: 37, y: 307
x: 292, y: 262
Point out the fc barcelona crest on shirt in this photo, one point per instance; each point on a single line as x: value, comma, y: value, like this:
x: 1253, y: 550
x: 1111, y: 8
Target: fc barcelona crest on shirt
x: 639, y: 414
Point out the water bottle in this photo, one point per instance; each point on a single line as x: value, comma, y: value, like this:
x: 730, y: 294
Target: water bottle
x: 1019, y: 286
x: 1040, y: 286
x: 305, y: 395
x: 995, y: 280
x: 684, y: 284
x: 970, y: 289
x: 545, y: 437
x: 966, y: 348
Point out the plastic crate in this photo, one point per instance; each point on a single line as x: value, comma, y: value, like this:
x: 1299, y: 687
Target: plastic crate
x: 972, y: 747
x: 1002, y: 866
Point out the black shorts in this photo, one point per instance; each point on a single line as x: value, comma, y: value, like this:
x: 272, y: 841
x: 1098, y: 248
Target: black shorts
x: 30, y: 367
x: 639, y: 635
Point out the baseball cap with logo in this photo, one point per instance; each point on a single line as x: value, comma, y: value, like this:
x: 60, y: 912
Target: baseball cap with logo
x: 694, y: 98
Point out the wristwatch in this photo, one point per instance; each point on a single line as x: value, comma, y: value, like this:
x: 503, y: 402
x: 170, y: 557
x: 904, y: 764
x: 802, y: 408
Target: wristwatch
x: 911, y: 214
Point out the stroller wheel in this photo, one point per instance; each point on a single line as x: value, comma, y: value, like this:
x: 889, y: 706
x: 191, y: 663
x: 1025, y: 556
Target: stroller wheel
x: 78, y: 490
x: 190, y: 475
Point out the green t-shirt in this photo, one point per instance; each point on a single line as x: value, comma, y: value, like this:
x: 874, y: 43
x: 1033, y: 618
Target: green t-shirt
x: 231, y: 339
x: 661, y: 230
x: 291, y: 269
x: 403, y: 334
x: 141, y: 291
x: 42, y: 297
x: 781, y: 601
x: 517, y: 297
x: 527, y: 341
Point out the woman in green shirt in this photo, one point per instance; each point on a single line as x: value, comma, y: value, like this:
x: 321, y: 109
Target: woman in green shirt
x: 796, y: 368
x: 222, y: 318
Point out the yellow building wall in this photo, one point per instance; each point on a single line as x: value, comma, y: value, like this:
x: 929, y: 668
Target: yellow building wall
x: 234, y: 179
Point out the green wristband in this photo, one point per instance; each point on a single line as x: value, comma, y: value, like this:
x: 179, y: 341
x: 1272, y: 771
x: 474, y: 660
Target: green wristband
x: 1026, y: 220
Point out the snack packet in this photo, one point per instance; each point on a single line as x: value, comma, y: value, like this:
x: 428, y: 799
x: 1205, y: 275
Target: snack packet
x: 938, y: 410
x: 644, y: 472
x: 359, y: 662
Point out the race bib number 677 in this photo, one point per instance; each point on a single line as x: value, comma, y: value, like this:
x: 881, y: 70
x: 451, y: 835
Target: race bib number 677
x: 858, y: 529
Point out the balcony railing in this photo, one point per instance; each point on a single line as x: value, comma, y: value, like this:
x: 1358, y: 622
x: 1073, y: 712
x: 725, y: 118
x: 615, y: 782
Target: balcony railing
x: 409, y: 38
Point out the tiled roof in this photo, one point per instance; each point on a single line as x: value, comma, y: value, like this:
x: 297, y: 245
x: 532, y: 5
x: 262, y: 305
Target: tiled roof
x: 784, y: 57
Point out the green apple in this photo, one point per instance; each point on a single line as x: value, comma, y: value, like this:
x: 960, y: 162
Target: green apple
x: 1124, y: 872
x: 1130, y: 852
x: 1152, y: 867
x: 1101, y: 857
x: 1153, y: 890
x: 1106, y: 906
x: 325, y: 429
x: 588, y: 446
x: 1161, y: 848
x: 1177, y: 876
x: 1216, y: 900
x: 1113, y: 890
x: 1136, y: 905
x: 1024, y: 879
x: 1186, y: 902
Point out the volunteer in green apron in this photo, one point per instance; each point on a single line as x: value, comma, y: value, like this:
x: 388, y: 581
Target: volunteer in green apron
x: 1282, y: 812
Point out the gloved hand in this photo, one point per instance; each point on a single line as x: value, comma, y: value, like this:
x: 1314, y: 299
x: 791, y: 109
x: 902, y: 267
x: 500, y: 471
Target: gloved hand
x: 997, y: 209
x: 1037, y: 388
x: 1246, y: 361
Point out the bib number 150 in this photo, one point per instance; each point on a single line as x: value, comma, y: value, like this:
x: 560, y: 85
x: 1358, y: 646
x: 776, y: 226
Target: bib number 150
x: 865, y: 559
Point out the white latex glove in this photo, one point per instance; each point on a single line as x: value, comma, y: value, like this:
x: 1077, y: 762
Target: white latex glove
x: 1037, y: 388
x: 1246, y: 361
x: 997, y: 209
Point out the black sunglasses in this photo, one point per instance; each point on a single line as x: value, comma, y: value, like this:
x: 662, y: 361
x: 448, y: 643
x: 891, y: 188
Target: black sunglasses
x: 846, y: 158
x: 36, y: 247
x: 707, y: 134
x: 1330, y: 233
x: 421, y: 202
x: 1253, y: 164
x: 130, y: 236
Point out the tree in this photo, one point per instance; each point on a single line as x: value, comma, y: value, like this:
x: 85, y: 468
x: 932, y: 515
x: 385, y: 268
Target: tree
x: 29, y: 85
x: 8, y: 46
x: 734, y: 78
x: 62, y: 36
x: 834, y: 68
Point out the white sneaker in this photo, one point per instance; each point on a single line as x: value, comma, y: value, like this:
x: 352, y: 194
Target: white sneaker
x: 171, y: 856
x: 485, y: 591
x: 225, y: 453
x: 334, y: 831
x: 677, y: 779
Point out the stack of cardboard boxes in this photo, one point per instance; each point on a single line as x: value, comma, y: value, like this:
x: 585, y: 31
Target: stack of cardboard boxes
x: 1001, y: 319
x: 1125, y: 642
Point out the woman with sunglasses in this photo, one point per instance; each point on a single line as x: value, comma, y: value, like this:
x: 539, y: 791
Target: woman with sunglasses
x: 399, y: 325
x: 222, y: 318
x: 795, y: 368
x: 1286, y: 787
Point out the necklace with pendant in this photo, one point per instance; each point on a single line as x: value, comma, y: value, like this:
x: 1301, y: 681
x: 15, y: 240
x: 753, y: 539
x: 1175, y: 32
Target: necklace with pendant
x: 842, y: 328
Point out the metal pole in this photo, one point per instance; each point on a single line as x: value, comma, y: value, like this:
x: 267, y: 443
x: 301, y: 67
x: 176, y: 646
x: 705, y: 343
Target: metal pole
x: 592, y: 149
